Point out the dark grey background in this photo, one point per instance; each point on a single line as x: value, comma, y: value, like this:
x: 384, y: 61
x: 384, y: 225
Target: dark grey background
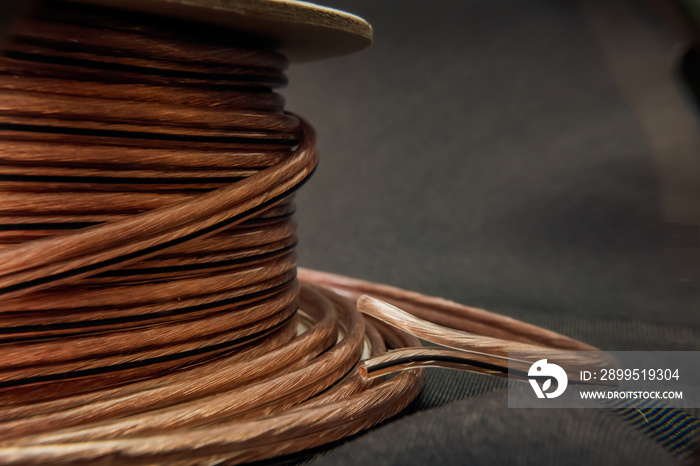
x: 481, y: 150
x: 514, y: 156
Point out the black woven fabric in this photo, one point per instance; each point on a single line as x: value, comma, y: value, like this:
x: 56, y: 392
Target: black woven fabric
x: 472, y: 432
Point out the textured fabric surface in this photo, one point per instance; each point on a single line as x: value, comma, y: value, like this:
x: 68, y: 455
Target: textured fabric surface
x: 532, y: 158
x: 468, y: 432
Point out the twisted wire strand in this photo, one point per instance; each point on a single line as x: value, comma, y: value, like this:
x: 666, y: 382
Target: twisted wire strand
x: 149, y: 301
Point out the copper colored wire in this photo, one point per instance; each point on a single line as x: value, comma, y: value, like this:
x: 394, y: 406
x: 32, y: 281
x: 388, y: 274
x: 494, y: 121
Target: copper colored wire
x: 151, y: 310
x: 466, y: 351
x: 482, y: 326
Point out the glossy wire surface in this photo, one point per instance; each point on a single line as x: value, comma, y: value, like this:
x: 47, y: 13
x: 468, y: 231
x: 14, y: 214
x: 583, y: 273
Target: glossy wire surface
x: 148, y: 292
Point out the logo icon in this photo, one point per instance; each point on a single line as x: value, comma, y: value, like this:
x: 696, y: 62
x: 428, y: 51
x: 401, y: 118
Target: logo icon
x: 541, y: 369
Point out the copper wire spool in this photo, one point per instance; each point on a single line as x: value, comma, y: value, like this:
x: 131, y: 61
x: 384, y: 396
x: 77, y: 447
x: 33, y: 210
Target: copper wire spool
x: 151, y: 310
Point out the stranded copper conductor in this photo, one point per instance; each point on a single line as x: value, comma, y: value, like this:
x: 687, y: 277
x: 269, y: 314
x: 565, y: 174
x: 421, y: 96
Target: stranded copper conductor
x: 148, y: 292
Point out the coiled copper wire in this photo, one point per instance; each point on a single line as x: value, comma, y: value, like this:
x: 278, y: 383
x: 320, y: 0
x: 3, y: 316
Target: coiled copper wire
x: 148, y: 293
